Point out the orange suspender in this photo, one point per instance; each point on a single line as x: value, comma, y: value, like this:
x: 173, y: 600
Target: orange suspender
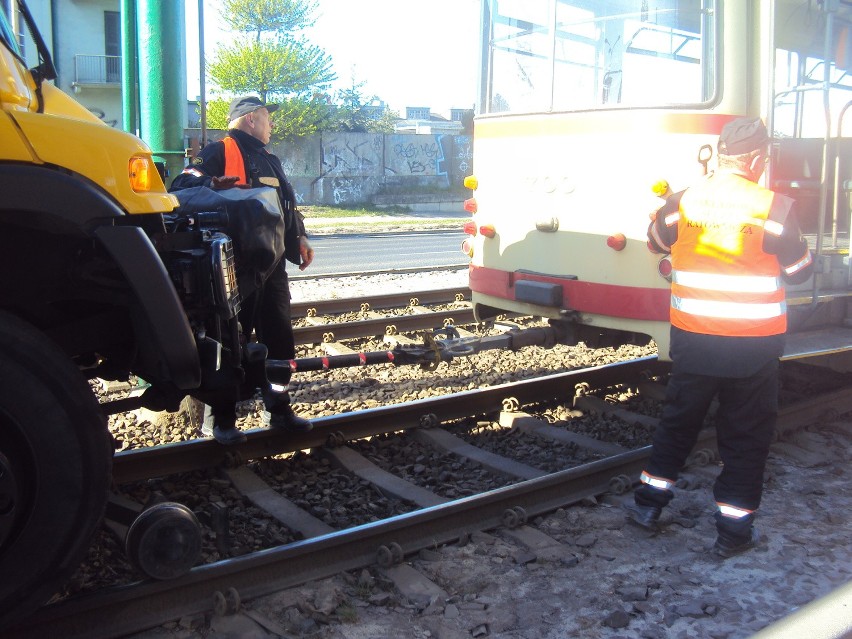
x: 234, y: 163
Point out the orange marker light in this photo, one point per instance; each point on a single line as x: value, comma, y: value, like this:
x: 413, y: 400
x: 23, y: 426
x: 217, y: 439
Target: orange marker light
x: 470, y: 227
x: 470, y: 182
x: 139, y: 172
x: 487, y: 230
x: 616, y: 242
x: 661, y: 189
x: 664, y: 267
x: 470, y: 205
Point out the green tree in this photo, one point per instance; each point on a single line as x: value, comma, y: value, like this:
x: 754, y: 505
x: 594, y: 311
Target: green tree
x: 269, y: 59
x: 268, y: 16
x: 357, y: 112
x: 271, y: 69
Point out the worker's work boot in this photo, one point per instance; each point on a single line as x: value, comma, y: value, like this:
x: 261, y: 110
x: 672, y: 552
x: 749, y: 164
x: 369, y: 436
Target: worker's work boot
x: 281, y: 414
x: 286, y: 419
x: 645, y: 516
x: 648, y: 502
x: 223, y: 428
x: 736, y: 535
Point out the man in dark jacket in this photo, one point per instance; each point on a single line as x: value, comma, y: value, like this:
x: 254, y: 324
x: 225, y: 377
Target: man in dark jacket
x: 241, y: 160
x: 732, y: 244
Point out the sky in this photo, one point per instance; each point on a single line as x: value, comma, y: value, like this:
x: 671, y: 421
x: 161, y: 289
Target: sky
x: 408, y: 52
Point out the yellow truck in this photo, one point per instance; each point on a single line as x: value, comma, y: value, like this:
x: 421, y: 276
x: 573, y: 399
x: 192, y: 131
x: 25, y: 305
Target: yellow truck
x: 103, y: 277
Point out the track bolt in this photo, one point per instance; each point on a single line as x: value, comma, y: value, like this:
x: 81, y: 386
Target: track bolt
x: 511, y: 405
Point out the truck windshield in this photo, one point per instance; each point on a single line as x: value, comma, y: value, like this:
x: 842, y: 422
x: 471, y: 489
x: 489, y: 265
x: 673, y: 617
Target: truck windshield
x: 7, y: 36
x: 596, y: 54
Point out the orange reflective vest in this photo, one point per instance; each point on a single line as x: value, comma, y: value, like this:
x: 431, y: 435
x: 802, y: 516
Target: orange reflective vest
x: 234, y: 162
x: 723, y: 283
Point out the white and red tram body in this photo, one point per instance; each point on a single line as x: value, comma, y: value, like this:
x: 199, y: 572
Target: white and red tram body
x: 587, y: 105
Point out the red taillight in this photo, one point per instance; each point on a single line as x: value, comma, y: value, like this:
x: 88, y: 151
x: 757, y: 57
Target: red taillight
x: 616, y: 242
x: 470, y: 227
x: 665, y: 267
x: 467, y: 248
x: 470, y: 205
x: 487, y: 230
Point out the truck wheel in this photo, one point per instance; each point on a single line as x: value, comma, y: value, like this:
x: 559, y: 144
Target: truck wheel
x: 55, y: 465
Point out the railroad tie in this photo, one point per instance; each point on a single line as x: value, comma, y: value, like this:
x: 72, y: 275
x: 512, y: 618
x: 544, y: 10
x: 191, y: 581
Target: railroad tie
x: 398, y: 488
x: 285, y: 511
x: 448, y: 442
x: 539, y: 428
x: 336, y: 348
x: 400, y: 340
x: 594, y: 404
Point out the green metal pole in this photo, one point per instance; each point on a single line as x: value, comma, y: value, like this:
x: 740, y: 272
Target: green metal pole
x: 162, y: 85
x: 129, y: 68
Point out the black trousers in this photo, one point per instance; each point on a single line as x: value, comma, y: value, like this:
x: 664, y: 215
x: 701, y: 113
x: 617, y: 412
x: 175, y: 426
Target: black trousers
x: 267, y: 313
x: 745, y: 421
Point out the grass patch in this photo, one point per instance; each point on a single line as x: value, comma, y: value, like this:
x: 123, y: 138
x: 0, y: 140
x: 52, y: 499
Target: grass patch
x: 320, y: 211
x: 384, y: 224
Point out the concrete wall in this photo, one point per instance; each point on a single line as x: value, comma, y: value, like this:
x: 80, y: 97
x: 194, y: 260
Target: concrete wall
x: 374, y: 168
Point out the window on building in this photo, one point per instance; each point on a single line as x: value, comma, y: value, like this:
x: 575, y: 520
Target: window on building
x: 112, y: 45
x: 417, y: 113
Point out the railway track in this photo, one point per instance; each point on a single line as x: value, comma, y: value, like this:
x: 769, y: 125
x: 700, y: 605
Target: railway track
x: 483, y: 427
x: 333, y: 320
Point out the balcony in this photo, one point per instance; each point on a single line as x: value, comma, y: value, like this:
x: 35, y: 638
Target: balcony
x: 97, y: 71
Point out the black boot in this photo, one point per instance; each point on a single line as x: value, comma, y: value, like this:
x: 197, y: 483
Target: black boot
x: 736, y: 535
x: 281, y: 414
x: 222, y: 427
x: 286, y: 419
x: 645, y: 516
x: 648, y: 503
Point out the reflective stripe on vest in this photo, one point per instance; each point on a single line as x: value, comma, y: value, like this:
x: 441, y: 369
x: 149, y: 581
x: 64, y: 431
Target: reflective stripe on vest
x: 234, y: 163
x: 723, y: 283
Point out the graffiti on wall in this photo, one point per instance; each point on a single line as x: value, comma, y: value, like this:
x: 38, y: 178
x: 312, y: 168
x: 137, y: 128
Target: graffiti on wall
x: 352, y: 155
x: 420, y: 155
x: 463, y: 154
x: 354, y: 168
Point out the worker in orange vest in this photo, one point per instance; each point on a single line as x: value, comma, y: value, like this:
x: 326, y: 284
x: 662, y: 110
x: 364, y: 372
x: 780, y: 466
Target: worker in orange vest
x: 732, y: 243
x: 241, y: 160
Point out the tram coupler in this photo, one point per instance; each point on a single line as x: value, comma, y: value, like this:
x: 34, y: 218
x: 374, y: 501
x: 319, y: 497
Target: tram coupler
x: 428, y: 355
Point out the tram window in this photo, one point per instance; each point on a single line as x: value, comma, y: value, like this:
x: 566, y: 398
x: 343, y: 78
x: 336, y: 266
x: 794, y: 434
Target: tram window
x: 799, y: 105
x: 586, y: 54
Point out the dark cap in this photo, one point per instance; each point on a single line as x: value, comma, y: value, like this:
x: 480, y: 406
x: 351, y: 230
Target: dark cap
x: 743, y: 135
x: 246, y: 104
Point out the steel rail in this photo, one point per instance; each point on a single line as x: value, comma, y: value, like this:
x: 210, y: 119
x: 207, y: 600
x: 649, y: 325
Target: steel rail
x: 136, y: 607
x: 139, y: 464
x: 388, y: 300
x: 409, y: 270
x: 389, y: 325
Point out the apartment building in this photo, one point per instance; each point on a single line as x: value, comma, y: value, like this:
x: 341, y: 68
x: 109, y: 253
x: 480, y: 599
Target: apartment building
x: 84, y: 37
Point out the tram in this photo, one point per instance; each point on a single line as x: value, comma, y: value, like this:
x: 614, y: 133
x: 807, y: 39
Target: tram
x: 591, y: 111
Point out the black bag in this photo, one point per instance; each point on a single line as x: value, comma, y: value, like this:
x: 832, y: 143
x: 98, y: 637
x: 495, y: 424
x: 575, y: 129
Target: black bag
x: 255, y: 224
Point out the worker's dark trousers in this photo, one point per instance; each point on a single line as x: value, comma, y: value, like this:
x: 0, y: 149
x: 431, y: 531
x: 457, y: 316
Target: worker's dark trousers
x: 267, y: 313
x: 273, y: 325
x: 744, y: 420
